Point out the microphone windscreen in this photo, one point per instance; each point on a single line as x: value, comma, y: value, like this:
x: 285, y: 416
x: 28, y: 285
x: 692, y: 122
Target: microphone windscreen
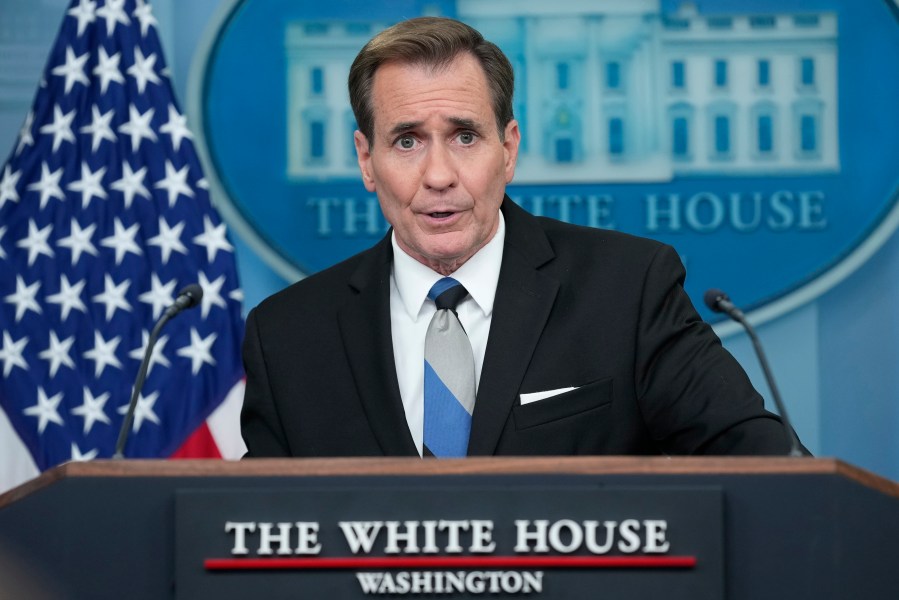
x: 712, y: 298
x: 193, y: 292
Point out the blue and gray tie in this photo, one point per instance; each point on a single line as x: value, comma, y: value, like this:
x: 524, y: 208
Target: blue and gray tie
x: 449, y: 375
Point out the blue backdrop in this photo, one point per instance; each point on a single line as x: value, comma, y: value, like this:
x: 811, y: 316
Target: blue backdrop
x: 835, y: 357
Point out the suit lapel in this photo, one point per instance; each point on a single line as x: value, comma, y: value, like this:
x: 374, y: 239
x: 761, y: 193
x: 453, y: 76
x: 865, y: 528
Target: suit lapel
x: 365, y: 328
x: 524, y: 299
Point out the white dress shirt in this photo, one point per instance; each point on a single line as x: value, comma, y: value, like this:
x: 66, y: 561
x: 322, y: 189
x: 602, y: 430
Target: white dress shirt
x: 411, y: 312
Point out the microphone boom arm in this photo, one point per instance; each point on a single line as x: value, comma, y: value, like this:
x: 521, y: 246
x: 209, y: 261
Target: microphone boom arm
x: 718, y: 301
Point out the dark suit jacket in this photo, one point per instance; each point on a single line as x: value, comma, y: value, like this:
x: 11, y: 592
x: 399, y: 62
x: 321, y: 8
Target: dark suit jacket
x: 575, y: 307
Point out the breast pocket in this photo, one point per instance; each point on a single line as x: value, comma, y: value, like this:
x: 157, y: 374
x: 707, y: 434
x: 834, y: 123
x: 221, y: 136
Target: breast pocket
x: 594, y: 395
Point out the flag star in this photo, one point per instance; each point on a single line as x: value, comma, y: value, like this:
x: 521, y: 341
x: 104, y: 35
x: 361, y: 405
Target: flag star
x: 103, y: 353
x: 91, y: 410
x: 144, y: 14
x: 159, y: 296
x: 142, y: 70
x: 131, y: 184
x: 45, y: 410
x: 107, y: 69
x: 24, y: 298
x: 168, y: 239
x: 57, y: 353
x: 2, y: 233
x: 77, y: 456
x: 176, y: 127
x: 122, y: 240
x: 99, y: 127
x: 236, y: 295
x: 158, y: 354
x: 36, y: 241
x: 79, y: 240
x: 138, y: 126
x: 198, y: 351
x: 213, y: 238
x: 89, y: 185
x: 113, y: 13
x: 8, y: 192
x: 69, y: 296
x: 85, y: 13
x: 73, y: 69
x: 203, y: 184
x: 48, y: 186
x: 175, y: 182
x: 113, y: 296
x: 211, y: 294
x: 25, y: 137
x: 61, y: 127
x: 11, y: 353
x: 143, y: 411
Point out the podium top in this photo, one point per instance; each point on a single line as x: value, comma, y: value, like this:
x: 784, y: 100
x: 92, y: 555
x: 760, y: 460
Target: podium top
x: 365, y: 466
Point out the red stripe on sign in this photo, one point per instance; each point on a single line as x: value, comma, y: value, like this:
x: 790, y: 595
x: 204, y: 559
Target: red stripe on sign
x: 464, y: 562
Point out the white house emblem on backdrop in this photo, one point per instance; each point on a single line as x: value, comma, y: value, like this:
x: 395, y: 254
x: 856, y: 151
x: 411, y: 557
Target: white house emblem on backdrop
x: 731, y: 134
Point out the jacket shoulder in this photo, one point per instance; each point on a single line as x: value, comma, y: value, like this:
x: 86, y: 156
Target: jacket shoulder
x: 585, y: 247
x: 319, y: 291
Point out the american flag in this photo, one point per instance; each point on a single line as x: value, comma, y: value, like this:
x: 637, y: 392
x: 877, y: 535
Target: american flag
x: 104, y: 215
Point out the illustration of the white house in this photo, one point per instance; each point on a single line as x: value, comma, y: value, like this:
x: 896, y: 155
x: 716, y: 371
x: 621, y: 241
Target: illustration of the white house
x: 610, y: 90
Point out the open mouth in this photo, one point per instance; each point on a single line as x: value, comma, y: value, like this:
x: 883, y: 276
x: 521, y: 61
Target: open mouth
x: 441, y: 215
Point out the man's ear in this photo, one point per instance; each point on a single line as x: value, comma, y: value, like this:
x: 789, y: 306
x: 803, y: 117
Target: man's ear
x: 363, y: 155
x: 510, y: 146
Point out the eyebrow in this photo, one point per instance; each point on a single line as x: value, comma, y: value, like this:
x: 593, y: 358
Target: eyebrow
x: 405, y: 126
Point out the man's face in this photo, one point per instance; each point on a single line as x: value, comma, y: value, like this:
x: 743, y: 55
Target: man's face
x: 436, y: 160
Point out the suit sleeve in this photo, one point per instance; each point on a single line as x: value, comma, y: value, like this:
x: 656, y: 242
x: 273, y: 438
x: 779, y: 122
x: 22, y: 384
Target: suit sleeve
x: 694, y: 396
x: 260, y: 423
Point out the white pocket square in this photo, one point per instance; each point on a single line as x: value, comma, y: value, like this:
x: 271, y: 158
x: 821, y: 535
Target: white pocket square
x: 535, y: 396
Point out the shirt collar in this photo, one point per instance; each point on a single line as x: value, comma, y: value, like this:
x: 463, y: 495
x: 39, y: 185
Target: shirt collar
x: 479, y: 274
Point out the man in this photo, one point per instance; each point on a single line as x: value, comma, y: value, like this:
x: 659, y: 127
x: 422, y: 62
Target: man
x: 582, y: 341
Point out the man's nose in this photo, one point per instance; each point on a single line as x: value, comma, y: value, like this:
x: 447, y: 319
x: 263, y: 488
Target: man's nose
x: 440, y: 170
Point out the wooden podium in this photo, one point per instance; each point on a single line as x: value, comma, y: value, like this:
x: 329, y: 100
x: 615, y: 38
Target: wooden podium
x: 753, y: 527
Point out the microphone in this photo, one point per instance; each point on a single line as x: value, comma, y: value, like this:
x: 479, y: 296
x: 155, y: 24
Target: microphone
x: 719, y: 302
x: 188, y: 297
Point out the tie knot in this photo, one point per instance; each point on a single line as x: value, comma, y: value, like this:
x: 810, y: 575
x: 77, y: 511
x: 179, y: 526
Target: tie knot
x: 447, y: 293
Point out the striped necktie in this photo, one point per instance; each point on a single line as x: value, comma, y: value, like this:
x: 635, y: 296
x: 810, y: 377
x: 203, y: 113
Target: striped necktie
x: 449, y: 375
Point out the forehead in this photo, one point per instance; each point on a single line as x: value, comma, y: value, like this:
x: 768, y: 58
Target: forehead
x: 405, y: 92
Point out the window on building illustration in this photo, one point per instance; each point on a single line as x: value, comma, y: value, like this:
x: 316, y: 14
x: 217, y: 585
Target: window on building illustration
x: 676, y: 24
x: 562, y: 74
x: 765, y: 126
x: 317, y: 80
x: 722, y: 134
x: 806, y: 20
x: 720, y: 73
x: 613, y: 75
x: 764, y: 72
x: 680, y: 137
x: 315, y: 28
x: 808, y: 134
x: 762, y: 22
x: 807, y: 71
x: 678, y: 75
x: 316, y: 140
x: 564, y: 150
x: 616, y: 136
x: 720, y: 23
x: 357, y: 28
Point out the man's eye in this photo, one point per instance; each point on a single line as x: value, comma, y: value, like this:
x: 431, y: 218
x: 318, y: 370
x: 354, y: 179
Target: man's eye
x: 406, y: 142
x: 466, y: 137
